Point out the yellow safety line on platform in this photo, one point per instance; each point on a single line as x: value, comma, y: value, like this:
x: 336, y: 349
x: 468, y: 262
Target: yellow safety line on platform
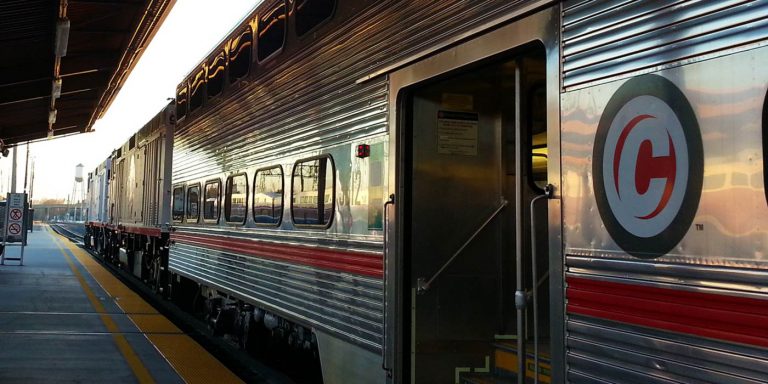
x: 141, y: 372
x: 191, y: 361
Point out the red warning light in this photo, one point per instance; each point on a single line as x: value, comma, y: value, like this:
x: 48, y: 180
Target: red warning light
x: 363, y: 150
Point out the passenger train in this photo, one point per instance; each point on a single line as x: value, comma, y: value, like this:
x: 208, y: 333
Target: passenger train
x: 425, y: 192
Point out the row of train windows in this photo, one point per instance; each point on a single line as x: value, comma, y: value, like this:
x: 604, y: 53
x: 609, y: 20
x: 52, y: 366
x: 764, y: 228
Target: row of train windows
x: 311, y: 201
x: 233, y: 61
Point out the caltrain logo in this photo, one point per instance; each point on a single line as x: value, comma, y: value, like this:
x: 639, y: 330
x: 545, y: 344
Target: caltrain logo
x: 648, y: 166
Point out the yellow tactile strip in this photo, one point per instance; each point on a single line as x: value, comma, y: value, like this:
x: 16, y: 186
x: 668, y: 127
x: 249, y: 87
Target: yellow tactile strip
x: 192, y: 362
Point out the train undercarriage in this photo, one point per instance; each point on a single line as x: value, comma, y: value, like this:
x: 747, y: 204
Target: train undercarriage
x: 283, y: 344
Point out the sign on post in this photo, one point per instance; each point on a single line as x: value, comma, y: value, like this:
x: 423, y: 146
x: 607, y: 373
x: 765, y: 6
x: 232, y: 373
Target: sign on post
x: 14, y: 228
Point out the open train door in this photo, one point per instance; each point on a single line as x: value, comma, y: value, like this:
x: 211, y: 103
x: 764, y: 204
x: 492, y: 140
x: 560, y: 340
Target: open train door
x: 474, y: 257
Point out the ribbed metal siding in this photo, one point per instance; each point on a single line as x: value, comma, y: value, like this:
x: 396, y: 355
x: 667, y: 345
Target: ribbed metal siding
x: 311, y: 100
x: 341, y: 303
x: 308, y: 102
x: 605, y: 351
x: 604, y: 39
x: 152, y: 179
x: 608, y: 352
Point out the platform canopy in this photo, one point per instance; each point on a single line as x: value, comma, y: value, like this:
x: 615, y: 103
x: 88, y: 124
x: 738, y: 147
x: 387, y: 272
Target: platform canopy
x: 63, y: 61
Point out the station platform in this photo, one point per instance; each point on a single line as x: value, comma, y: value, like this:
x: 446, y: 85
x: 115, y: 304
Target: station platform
x: 65, y: 318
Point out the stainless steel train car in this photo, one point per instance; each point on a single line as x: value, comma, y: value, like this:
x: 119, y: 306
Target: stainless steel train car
x: 97, y: 193
x: 420, y: 191
x: 129, y: 200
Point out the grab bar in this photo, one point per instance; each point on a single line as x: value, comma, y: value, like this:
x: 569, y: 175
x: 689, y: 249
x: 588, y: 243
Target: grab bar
x: 423, y: 285
x: 549, y: 191
x: 384, y: 366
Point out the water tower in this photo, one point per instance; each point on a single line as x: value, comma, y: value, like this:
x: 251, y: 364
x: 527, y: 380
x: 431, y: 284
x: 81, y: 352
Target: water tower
x: 78, y: 194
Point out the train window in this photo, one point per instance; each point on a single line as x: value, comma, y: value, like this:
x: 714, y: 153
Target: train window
x: 271, y: 32
x: 211, y: 203
x: 196, y: 90
x: 537, y: 119
x: 235, y: 201
x: 310, y: 13
x: 313, y: 191
x: 181, y: 103
x: 216, y: 71
x: 268, y: 196
x: 193, y: 203
x: 178, y: 204
x: 240, y: 48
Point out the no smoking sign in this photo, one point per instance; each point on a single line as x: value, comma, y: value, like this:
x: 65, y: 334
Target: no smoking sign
x: 14, y: 228
x: 648, y: 166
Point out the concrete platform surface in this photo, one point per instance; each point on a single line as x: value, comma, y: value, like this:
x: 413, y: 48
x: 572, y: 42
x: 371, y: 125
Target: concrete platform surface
x: 66, y: 319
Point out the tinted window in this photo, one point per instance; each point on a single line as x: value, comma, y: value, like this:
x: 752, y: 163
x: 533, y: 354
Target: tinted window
x: 181, y: 102
x: 216, y: 71
x: 313, y: 191
x: 236, y: 198
x: 271, y: 31
x: 211, y: 203
x: 196, y: 90
x: 268, y: 196
x: 193, y: 203
x: 178, y: 204
x: 240, y: 54
x: 537, y: 123
x: 310, y: 13
x: 765, y: 144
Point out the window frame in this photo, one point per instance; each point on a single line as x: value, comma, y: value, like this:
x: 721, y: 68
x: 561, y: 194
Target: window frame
x: 228, y: 194
x: 200, y: 76
x: 257, y: 44
x: 218, y: 201
x: 210, y: 63
x: 282, y: 196
x: 317, y: 26
x: 187, y: 201
x: 174, y: 217
x: 246, y: 30
x: 333, y: 191
x: 765, y: 144
x: 181, y: 92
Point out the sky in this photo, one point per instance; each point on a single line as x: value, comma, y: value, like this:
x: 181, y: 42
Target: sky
x: 191, y: 30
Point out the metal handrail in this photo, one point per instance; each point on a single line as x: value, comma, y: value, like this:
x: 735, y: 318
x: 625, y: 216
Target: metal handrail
x: 384, y: 341
x: 423, y: 285
x: 548, y: 193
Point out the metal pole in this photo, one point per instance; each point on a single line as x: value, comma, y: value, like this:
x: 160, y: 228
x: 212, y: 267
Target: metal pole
x: 26, y: 168
x: 520, y: 299
x: 13, y: 172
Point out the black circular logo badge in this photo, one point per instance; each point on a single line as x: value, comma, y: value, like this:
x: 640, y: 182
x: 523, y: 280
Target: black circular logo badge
x: 648, y: 166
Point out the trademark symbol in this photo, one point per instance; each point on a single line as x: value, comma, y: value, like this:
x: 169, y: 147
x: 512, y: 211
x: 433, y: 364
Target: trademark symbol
x: 699, y: 227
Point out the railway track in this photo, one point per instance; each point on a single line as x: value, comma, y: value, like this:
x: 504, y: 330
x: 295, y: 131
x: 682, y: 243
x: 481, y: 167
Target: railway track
x: 66, y: 230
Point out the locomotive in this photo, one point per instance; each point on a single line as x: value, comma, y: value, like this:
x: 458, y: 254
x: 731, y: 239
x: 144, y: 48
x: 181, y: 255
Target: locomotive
x: 455, y: 191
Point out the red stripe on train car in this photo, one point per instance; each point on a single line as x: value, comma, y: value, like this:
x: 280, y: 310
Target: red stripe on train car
x: 149, y: 231
x: 729, y: 318
x: 342, y: 261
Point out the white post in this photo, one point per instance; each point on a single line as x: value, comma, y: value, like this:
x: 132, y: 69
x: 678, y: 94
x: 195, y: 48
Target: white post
x: 13, y: 172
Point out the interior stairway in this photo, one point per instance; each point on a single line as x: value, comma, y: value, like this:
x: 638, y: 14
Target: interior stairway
x: 503, y: 368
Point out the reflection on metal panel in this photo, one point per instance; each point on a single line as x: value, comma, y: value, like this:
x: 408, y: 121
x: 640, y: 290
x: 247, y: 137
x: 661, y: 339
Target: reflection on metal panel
x: 622, y: 353
x: 730, y: 228
x: 603, y: 39
x: 305, y: 102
